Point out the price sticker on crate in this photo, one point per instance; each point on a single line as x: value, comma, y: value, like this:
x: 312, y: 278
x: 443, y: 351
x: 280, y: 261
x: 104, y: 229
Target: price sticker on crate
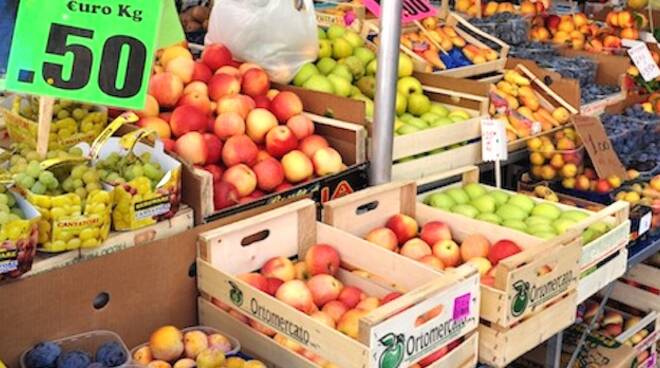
x: 412, y: 10
x: 641, y: 57
x: 493, y: 140
x: 96, y: 52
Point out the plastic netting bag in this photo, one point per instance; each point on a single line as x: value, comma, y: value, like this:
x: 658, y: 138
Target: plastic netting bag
x: 279, y: 35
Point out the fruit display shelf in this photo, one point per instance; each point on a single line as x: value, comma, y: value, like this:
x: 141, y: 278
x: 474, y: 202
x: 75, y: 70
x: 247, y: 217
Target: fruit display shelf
x: 639, y: 287
x: 244, y: 246
x: 368, y: 209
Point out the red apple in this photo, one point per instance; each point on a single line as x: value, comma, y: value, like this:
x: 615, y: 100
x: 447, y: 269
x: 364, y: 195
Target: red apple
x: 201, y: 72
x: 262, y: 102
x: 197, y: 87
x: 383, y: 237
x: 280, y: 141
x: 435, y: 231
x: 169, y: 144
x: 501, y: 250
x: 188, y: 119
x: 228, y: 124
x: 416, y: 249
x: 150, y: 109
x: 389, y: 297
x: 214, y: 148
x: 447, y: 252
x: 255, y: 82
x: 322, y: 259
x: 242, y: 177
x: 183, y: 67
x: 335, y: 309
x: 270, y: 174
x: 166, y: 88
x: 215, y: 170
x: 235, y: 103
x: 297, y: 167
x: 324, y: 288
x: 350, y: 296
x: 159, y: 125
x: 324, y: 318
x: 192, y: 148
x: 301, y: 126
x: 273, y: 284
x: 198, y: 100
x: 255, y: 280
x: 231, y: 70
x: 222, y: 85
x: 216, y: 55
x: 405, y: 227
x: 258, y: 123
x: 285, y: 105
x: 296, y: 294
x: 239, y: 149
x: 311, y: 144
x: 279, y: 267
x: 244, y: 67
x: 283, y: 187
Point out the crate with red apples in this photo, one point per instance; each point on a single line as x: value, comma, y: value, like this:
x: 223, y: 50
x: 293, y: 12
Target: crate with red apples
x: 309, y: 290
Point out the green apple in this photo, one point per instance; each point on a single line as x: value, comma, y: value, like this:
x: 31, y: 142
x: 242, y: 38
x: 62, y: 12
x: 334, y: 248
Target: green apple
x: 459, y: 115
x: 522, y: 201
x: 406, y: 65
x: 406, y: 117
x: 401, y: 103
x: 475, y: 190
x: 574, y: 215
x: 600, y: 227
x: 335, y: 31
x: 321, y: 34
x: 355, y: 65
x: 407, y: 129
x: 367, y: 86
x: 355, y: 91
x: 443, y: 120
x: 515, y: 224
x: 364, y: 54
x: 417, y: 123
x: 510, y: 212
x: 305, y: 72
x: 372, y: 66
x: 499, y: 196
x: 589, y: 235
x: 325, y: 48
x: 342, y: 86
x: 458, y: 195
x: 546, y: 210
x: 408, y: 86
x: 439, y: 200
x: 418, y: 104
x: 485, y: 204
x: 465, y: 210
x: 341, y: 48
x: 353, y: 38
x: 325, y: 65
x: 368, y: 105
x: 538, y: 220
x: 428, y: 117
x: 489, y: 217
x: 439, y: 109
x: 540, y: 228
x: 342, y: 71
x: 543, y: 235
x: 319, y: 82
x: 562, y: 224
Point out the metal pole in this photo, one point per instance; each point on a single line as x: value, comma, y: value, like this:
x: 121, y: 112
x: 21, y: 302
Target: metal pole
x: 553, y: 354
x: 387, y: 73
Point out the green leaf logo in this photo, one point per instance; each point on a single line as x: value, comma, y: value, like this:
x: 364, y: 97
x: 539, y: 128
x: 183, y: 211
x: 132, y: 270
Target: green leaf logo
x: 392, y: 357
x: 521, y: 299
x: 235, y: 294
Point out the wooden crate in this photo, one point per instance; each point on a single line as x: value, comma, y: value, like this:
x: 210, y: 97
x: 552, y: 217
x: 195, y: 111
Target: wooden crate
x: 601, y: 274
x: 330, y: 13
x: 289, y: 231
x: 348, y: 139
x: 630, y: 287
x: 266, y: 349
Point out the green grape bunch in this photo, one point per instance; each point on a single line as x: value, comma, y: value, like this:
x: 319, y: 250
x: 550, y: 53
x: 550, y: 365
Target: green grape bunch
x: 116, y: 169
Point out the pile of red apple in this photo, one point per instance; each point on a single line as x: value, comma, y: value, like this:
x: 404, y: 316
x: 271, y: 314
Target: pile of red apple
x: 433, y: 245
x: 223, y: 116
x: 613, y: 323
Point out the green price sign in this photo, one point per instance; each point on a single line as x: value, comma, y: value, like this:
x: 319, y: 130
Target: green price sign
x: 95, y: 51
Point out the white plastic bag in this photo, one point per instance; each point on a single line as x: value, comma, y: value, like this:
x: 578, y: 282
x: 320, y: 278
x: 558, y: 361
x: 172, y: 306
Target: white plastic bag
x: 279, y: 35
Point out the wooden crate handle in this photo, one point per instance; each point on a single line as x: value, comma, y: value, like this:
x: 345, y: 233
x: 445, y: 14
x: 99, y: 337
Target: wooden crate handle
x: 619, y: 209
x: 469, y: 174
x: 546, y: 89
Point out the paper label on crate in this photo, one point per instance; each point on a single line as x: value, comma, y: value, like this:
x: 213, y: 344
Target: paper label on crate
x: 411, y: 10
x: 650, y: 363
x: 152, y: 208
x: 8, y: 266
x: 493, y: 140
x: 641, y: 57
x: 598, y: 145
x: 462, y: 306
x: 645, y: 223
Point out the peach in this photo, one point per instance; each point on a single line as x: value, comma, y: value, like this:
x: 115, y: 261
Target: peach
x: 435, y: 231
x: 197, y: 100
x: 447, y: 252
x: 301, y: 126
x: 309, y: 145
x: 383, y: 237
x: 280, y: 141
x: 475, y: 245
x: 285, y: 105
x: 262, y: 102
x: 255, y: 82
x: 255, y: 280
x: 270, y: 173
x: 216, y: 56
x: 150, y: 109
x: 192, y: 148
x: 327, y: 161
x: 219, y: 341
x: 221, y: 85
x: 301, y: 271
x: 182, y: 67
x: 273, y: 285
x: 213, y: 148
x: 433, y: 261
x: 211, y: 358
x: 224, y: 195
x: 296, y: 294
x: 201, y: 72
x: 159, y: 364
x: 142, y: 355
x: 415, y: 248
x: 159, y: 125
x: 481, y: 263
x: 324, y: 318
x: 185, y: 363
x: 166, y: 88
x: 239, y: 149
x: 349, y: 323
x: 324, y: 288
x: 258, y: 123
x: 334, y: 309
x: 279, y: 267
x: 239, y: 316
x: 403, y: 226
x: 234, y: 103
x: 368, y: 304
x: 166, y: 343
x: 297, y: 167
x: 173, y: 52
x: 322, y: 259
x: 350, y: 296
x: 242, y: 177
x: 228, y: 124
x: 194, y: 342
x: 188, y: 119
x: 263, y: 329
x: 288, y: 343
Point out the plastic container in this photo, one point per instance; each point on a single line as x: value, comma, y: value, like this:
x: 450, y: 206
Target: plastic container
x: 510, y: 28
x: 581, y: 68
x: 236, y: 345
x: 88, y: 342
x: 535, y: 51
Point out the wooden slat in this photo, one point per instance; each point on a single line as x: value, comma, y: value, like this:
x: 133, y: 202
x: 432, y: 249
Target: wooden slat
x: 469, y: 154
x: 645, y: 275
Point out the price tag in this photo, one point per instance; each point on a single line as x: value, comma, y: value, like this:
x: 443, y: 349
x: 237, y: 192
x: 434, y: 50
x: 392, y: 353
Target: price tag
x: 493, y: 140
x: 96, y: 52
x: 412, y: 10
x: 641, y: 57
x: 645, y: 223
x: 461, y: 306
x: 598, y: 145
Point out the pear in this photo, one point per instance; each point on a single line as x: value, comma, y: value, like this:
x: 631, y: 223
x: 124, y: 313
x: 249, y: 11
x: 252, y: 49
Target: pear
x: 341, y: 86
x: 418, y: 104
x: 367, y: 86
x: 326, y: 65
x: 439, y: 109
x: 364, y: 54
x: 320, y: 83
x: 343, y: 71
x: 355, y: 66
x: 305, y: 72
x: 335, y: 31
x: 465, y: 210
x: 439, y: 200
x: 341, y: 48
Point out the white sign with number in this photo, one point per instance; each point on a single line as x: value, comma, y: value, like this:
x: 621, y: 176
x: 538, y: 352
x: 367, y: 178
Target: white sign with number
x: 493, y: 140
x: 641, y: 57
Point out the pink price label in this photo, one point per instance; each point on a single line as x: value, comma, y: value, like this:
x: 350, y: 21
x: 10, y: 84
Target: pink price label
x: 462, y: 306
x: 411, y: 9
